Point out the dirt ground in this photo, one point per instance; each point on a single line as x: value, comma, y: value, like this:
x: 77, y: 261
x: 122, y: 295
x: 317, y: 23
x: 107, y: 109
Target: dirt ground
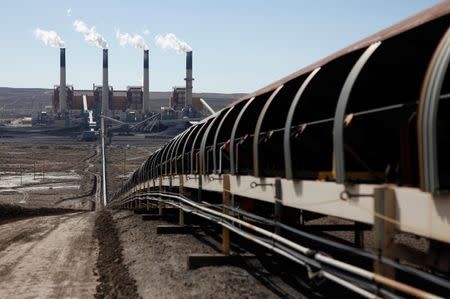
x: 158, y: 263
x: 36, y: 171
x: 49, y: 251
x: 47, y: 245
x: 115, y: 280
x: 82, y: 255
x: 49, y: 257
x: 125, y: 154
x: 94, y: 254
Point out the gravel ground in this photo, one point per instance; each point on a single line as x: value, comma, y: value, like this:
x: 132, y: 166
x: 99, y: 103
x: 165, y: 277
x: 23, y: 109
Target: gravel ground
x: 417, y: 243
x: 158, y: 263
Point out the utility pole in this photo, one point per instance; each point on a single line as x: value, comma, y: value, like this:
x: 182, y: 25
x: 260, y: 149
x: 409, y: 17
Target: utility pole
x: 124, y: 163
x: 20, y: 170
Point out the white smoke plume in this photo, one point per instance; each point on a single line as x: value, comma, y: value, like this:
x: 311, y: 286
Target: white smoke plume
x: 146, y: 31
x: 69, y: 12
x: 135, y: 40
x: 170, y: 41
x: 50, y: 38
x: 90, y: 34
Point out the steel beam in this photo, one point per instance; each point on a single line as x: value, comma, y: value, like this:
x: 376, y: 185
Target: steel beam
x: 338, y: 127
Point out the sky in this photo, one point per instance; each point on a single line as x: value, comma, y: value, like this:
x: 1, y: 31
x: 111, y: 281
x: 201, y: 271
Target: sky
x: 238, y: 45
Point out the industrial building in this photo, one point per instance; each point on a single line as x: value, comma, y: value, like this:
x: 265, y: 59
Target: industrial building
x: 118, y: 100
x: 134, y: 98
x: 67, y: 101
x: 71, y: 107
x: 177, y: 100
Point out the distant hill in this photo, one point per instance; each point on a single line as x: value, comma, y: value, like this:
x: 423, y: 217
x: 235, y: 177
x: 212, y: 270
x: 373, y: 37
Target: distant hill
x: 25, y: 100
x: 22, y: 100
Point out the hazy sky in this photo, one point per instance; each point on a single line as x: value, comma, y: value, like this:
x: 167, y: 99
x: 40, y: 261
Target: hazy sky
x: 239, y: 46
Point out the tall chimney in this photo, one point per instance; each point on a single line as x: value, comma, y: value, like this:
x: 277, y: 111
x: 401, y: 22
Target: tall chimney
x: 62, y: 81
x: 145, y: 98
x: 105, y: 87
x: 188, y: 100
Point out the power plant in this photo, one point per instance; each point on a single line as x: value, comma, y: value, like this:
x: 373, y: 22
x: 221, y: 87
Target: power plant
x: 330, y: 182
x: 70, y: 106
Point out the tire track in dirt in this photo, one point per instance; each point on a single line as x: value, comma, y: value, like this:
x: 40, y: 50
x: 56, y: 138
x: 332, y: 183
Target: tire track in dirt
x: 57, y: 260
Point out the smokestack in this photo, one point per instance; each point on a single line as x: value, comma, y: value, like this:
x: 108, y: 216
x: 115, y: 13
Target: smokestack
x: 105, y: 87
x: 62, y: 81
x: 188, y: 100
x: 145, y: 98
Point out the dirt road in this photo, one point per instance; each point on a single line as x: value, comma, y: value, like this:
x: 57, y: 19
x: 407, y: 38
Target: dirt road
x: 49, y: 257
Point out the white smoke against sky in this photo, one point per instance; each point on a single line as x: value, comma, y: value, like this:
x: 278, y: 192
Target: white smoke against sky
x: 69, y: 12
x: 170, y: 41
x: 145, y: 31
x: 90, y: 34
x: 135, y: 40
x: 49, y: 38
